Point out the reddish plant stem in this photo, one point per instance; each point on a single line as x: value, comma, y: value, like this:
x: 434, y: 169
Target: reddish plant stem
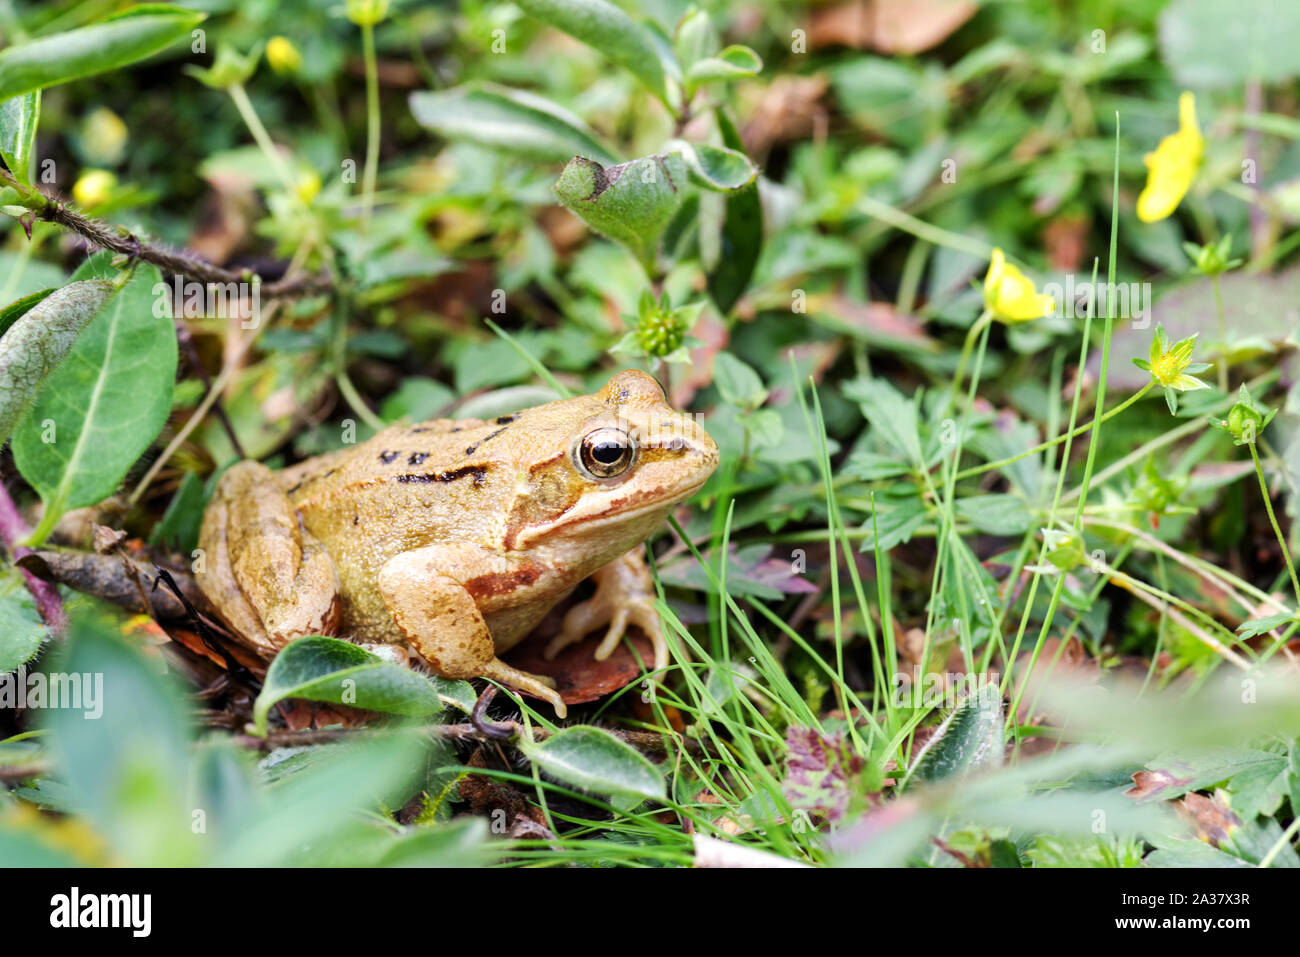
x: 14, y: 529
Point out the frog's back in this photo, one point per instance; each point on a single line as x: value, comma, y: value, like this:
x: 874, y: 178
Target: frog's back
x: 407, y: 487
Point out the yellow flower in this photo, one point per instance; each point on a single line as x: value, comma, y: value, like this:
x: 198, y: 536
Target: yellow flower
x: 103, y: 136
x: 1172, y: 167
x: 307, y: 186
x: 283, y: 55
x: 94, y: 187
x: 1170, y: 364
x: 1010, y: 295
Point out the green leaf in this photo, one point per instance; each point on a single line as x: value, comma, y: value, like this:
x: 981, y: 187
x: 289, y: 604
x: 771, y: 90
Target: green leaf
x: 631, y: 203
x: 511, y: 121
x: 178, y: 529
x: 329, y: 669
x: 694, y: 39
x: 891, y: 416
x: 418, y: 398
x: 733, y: 62
x: 1207, y: 43
x: 740, y: 241
x: 969, y: 738
x: 895, y: 520
x: 737, y: 382
x: 104, y: 404
x: 608, y: 29
x: 21, y: 627
x: 123, y: 753
x: 717, y: 168
x: 310, y: 814
x: 1260, y: 626
x: 40, y: 339
x: 18, y: 118
x: 997, y: 514
x: 595, y: 760
x: 20, y: 307
x: 132, y: 35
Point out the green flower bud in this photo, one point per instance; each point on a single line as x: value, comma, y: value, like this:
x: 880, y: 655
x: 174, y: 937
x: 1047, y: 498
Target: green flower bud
x: 367, y: 13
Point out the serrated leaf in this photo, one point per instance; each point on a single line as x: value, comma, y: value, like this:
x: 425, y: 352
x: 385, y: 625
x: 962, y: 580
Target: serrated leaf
x: 737, y: 382
x: 511, y: 121
x: 595, y: 760
x: 890, y: 415
x: 337, y: 671
x: 104, y: 404
x: 132, y: 35
x: 893, y: 521
x: 40, y: 338
x: 605, y: 28
x: 1260, y: 626
x: 997, y: 514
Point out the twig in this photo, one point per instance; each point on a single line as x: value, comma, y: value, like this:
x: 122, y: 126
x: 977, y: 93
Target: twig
x: 176, y: 262
x: 46, y: 594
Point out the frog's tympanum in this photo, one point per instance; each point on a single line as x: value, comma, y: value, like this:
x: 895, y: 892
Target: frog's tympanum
x: 452, y: 539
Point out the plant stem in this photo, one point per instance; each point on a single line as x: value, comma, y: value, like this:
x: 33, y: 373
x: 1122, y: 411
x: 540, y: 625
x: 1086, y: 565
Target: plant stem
x: 45, y: 594
x: 1042, y: 446
x: 1268, y: 505
x: 971, y: 336
x: 245, y: 107
x: 176, y: 262
x: 372, y: 125
x: 1223, y: 335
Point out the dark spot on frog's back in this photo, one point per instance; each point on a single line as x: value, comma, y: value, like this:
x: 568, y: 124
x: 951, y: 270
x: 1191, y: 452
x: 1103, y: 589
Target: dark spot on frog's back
x: 478, y: 472
x: 505, y: 419
x: 387, y: 457
x: 483, y: 441
x: 500, y: 583
x: 417, y: 458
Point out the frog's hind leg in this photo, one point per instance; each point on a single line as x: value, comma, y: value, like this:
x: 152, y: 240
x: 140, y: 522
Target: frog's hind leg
x: 267, y: 575
x: 433, y: 593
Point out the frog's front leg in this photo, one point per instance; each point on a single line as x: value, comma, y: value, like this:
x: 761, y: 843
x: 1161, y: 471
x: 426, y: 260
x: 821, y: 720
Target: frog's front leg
x: 624, y: 595
x: 267, y: 576
x: 433, y: 594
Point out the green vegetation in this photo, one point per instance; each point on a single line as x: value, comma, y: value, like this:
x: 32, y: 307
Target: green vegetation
x: 989, y: 308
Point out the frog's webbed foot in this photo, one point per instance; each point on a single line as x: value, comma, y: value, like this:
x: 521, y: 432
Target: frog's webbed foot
x: 624, y: 596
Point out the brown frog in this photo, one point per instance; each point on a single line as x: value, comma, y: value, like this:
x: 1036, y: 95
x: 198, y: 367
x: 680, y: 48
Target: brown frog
x: 453, y: 538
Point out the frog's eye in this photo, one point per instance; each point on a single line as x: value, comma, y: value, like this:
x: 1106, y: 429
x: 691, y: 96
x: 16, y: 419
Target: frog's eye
x: 606, y: 453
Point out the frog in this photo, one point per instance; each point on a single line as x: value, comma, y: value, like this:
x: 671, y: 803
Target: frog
x: 443, y: 544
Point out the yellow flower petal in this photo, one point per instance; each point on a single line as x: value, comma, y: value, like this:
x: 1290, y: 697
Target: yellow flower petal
x: 283, y: 55
x: 1010, y: 295
x: 1172, y: 166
